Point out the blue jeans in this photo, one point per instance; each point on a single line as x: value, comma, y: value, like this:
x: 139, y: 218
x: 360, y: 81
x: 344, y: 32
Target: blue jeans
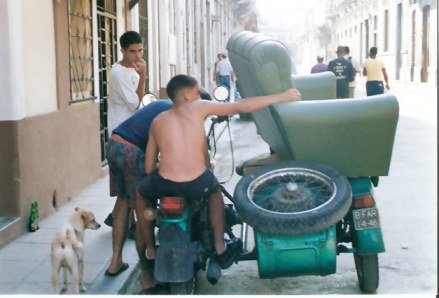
x: 374, y: 88
x: 225, y: 81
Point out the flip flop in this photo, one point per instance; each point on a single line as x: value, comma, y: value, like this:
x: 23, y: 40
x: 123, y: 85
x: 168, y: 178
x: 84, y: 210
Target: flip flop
x: 109, y: 220
x: 124, y: 267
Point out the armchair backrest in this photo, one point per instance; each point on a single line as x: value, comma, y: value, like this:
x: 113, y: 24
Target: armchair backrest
x: 355, y: 136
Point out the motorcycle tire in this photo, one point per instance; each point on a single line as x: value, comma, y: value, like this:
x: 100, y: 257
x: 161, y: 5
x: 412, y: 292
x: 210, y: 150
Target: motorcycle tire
x: 367, y: 272
x: 292, y: 198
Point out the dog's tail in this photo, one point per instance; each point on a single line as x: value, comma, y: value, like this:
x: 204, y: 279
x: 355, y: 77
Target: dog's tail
x: 68, y: 239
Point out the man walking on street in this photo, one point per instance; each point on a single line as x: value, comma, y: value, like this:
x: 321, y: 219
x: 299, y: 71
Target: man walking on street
x: 320, y: 66
x: 225, y: 73
x: 344, y: 72
x: 375, y: 71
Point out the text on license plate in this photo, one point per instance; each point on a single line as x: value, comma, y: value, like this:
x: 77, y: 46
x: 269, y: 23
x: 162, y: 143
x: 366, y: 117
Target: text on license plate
x: 366, y: 218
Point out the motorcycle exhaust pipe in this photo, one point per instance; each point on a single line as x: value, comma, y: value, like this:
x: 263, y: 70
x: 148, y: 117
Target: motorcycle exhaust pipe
x: 213, y: 273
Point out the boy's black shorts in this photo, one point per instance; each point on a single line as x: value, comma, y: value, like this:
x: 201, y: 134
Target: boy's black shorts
x: 155, y: 186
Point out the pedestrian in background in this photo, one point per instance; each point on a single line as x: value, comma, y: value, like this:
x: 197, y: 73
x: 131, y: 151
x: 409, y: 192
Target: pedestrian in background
x: 225, y: 73
x: 357, y: 67
x: 215, y: 75
x: 375, y: 71
x: 320, y: 66
x: 344, y: 72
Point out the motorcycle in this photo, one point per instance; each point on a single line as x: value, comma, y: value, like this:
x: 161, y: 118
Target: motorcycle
x: 185, y: 240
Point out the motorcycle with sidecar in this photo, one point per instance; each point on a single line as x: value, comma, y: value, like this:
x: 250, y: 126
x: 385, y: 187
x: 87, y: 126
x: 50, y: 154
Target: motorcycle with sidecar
x: 307, y: 200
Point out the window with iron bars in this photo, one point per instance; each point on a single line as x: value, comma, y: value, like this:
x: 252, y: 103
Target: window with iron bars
x: 81, y: 50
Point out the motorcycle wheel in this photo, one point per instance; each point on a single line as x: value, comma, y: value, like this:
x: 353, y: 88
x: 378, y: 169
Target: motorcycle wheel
x: 367, y: 272
x: 292, y: 198
x: 183, y: 288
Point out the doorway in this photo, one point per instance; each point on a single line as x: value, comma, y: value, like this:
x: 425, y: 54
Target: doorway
x: 398, y: 40
x: 143, y: 30
x: 413, y: 55
x: 107, y: 48
x: 425, y: 43
x: 366, y: 37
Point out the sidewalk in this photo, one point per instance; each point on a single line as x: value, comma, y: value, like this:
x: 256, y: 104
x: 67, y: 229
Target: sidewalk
x: 25, y: 266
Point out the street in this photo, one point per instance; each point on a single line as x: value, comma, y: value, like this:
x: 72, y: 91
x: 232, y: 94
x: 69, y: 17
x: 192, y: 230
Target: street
x: 407, y: 202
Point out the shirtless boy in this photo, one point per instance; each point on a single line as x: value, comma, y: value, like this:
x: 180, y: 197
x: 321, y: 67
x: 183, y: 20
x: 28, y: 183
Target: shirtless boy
x: 184, y: 169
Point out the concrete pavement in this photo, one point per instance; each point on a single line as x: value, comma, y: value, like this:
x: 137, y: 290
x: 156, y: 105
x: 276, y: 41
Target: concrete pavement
x: 25, y: 263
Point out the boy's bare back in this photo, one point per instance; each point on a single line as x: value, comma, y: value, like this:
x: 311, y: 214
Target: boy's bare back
x: 180, y: 136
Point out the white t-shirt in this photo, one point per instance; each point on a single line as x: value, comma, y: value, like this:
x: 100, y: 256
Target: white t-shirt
x: 224, y: 68
x: 123, y: 100
x: 357, y: 68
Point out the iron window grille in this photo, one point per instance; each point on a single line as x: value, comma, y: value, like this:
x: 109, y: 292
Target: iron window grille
x: 81, y: 50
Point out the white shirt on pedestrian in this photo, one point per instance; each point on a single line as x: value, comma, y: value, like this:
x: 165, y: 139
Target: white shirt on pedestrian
x: 123, y: 100
x: 224, y: 68
x: 356, y: 66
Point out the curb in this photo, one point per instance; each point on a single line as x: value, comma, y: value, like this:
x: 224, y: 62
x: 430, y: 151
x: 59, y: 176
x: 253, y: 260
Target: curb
x: 131, y: 285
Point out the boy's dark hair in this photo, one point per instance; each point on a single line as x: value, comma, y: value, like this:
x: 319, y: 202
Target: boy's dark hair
x: 179, y: 82
x: 373, y: 51
x: 129, y: 38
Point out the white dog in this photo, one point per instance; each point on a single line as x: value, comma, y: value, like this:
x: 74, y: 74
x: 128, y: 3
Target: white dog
x: 68, y: 249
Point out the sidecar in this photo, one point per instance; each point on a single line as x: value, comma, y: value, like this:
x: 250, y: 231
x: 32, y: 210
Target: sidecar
x: 311, y: 197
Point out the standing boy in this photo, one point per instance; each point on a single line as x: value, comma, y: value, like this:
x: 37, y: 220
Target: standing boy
x: 126, y: 161
x: 127, y: 87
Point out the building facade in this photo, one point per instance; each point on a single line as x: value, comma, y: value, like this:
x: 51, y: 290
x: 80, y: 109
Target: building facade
x: 404, y: 31
x: 56, y: 56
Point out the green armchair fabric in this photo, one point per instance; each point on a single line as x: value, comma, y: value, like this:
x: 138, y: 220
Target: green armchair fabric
x: 355, y: 136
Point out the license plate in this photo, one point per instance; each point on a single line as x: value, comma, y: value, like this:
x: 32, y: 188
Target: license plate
x: 366, y: 218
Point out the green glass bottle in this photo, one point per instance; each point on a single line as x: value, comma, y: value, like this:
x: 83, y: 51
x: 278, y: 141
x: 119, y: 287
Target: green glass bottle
x: 32, y: 218
x: 37, y: 216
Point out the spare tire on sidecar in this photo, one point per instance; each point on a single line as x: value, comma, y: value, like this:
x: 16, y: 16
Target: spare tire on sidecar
x: 292, y: 198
